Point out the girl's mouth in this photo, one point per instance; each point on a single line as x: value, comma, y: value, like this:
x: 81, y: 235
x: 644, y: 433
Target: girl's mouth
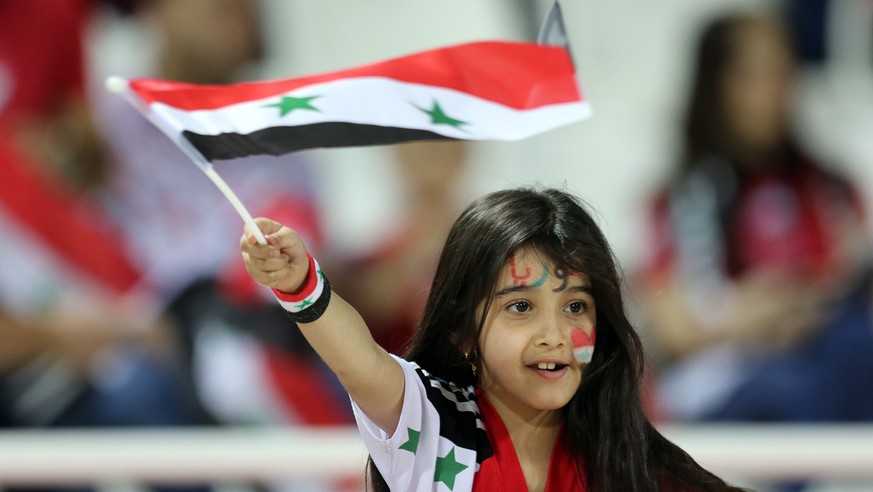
x: 549, y: 370
x: 550, y: 366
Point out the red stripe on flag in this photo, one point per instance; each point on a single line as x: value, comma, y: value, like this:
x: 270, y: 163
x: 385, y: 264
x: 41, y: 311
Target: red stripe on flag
x: 517, y: 75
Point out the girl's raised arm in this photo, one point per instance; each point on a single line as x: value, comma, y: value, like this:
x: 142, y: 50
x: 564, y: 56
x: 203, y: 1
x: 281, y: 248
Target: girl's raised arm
x: 372, y: 377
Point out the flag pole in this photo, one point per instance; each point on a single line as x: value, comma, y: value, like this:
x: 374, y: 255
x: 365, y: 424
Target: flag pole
x: 237, y: 204
x: 119, y: 86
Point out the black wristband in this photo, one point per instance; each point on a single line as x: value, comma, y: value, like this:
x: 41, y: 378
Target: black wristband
x: 313, y: 312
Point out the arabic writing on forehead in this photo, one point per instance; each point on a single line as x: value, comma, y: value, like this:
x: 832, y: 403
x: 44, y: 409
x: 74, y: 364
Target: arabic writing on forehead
x: 520, y: 279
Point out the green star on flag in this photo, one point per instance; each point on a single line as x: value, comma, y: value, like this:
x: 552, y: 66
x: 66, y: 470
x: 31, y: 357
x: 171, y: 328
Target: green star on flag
x: 525, y: 89
x: 288, y: 104
x: 447, y: 469
x: 439, y: 117
x: 411, y: 443
x: 304, y: 303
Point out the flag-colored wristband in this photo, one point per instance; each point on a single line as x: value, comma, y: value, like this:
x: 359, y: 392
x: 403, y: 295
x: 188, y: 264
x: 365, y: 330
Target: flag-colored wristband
x: 311, y: 300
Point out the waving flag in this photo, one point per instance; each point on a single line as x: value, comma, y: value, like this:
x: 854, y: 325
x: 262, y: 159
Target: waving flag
x: 489, y: 90
x: 478, y: 91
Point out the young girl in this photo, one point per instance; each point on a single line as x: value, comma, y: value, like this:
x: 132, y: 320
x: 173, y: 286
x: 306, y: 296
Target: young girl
x: 503, y: 386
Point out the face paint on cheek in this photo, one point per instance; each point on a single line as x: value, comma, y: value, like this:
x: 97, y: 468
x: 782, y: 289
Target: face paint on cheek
x: 583, y: 345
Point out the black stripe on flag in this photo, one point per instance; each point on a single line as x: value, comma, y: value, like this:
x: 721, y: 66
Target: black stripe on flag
x: 284, y: 139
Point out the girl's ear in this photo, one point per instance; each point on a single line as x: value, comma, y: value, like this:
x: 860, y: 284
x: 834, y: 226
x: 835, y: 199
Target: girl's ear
x: 469, y: 349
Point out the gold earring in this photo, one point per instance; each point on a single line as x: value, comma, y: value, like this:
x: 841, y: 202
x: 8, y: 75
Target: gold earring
x: 472, y: 361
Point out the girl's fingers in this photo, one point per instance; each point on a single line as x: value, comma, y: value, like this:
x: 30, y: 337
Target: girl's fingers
x: 268, y: 265
x: 278, y: 263
x: 249, y: 244
x: 261, y: 269
x: 247, y: 241
x: 266, y: 226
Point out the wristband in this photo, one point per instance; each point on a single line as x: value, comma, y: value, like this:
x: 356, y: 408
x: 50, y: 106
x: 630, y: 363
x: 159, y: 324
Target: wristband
x: 311, y: 300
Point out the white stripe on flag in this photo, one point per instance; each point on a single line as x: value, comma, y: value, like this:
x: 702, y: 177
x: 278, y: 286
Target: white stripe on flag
x: 385, y: 102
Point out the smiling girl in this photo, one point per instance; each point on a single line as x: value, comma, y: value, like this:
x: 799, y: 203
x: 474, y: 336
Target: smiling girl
x: 523, y: 374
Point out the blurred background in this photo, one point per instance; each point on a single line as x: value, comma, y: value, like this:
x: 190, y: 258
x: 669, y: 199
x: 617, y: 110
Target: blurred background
x: 634, y: 63
x: 90, y: 189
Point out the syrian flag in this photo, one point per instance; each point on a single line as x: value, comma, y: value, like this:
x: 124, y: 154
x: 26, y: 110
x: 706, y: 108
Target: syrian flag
x: 490, y: 90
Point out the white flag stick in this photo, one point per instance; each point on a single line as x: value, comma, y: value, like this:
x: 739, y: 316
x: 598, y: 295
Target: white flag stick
x: 237, y: 204
x: 119, y: 86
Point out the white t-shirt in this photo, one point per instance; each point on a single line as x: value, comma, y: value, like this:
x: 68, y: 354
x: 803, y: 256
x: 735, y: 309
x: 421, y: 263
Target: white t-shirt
x: 440, y: 439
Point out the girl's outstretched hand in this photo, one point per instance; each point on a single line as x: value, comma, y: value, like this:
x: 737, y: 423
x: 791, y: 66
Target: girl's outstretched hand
x: 282, y: 263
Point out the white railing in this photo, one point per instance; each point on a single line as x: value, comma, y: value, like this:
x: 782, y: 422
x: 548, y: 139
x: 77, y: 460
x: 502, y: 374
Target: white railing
x: 778, y: 452
x: 179, y: 456
x: 842, y: 452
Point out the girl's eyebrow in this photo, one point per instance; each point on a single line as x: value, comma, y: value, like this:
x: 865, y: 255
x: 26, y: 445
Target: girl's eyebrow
x: 512, y: 289
x: 520, y: 288
x: 581, y: 288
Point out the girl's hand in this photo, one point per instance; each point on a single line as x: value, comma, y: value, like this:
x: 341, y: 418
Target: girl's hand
x: 282, y: 263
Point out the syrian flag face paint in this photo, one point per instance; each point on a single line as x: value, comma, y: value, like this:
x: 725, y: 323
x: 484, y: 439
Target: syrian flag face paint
x: 583, y: 345
x: 478, y: 91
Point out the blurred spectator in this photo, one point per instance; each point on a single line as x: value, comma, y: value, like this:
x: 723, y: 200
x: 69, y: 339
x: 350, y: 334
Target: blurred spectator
x: 81, y: 344
x: 391, y: 281
x: 759, y: 286
x: 42, y: 105
x: 248, y: 366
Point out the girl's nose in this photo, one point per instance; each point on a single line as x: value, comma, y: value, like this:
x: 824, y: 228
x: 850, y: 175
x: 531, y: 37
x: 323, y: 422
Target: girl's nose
x: 553, y: 331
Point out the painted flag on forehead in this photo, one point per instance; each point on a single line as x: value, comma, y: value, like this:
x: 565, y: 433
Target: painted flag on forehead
x: 489, y: 90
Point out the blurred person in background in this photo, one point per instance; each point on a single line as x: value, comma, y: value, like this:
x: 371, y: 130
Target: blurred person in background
x: 81, y: 343
x: 390, y: 282
x: 758, y: 292
x: 183, y: 229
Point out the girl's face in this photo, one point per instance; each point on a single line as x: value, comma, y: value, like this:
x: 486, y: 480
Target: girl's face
x: 526, y: 344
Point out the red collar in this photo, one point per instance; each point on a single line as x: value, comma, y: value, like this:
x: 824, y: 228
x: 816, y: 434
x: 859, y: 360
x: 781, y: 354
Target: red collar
x: 502, y: 472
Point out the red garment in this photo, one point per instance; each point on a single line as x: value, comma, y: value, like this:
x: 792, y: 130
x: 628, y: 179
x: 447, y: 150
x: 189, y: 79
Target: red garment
x: 41, y: 56
x: 393, y: 330
x: 304, y: 389
x: 73, y: 228
x: 784, y: 218
x: 502, y: 471
x: 721, y: 224
x: 788, y: 220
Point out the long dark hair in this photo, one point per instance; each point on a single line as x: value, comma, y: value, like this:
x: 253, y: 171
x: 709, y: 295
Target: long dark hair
x: 606, y: 426
x: 706, y: 130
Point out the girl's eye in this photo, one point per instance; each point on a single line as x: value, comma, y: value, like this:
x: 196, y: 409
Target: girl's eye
x: 576, y: 307
x: 519, y: 307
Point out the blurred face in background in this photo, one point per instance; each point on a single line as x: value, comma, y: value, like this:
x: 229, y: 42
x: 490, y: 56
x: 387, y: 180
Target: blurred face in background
x: 757, y: 86
x: 432, y: 169
x: 208, y: 41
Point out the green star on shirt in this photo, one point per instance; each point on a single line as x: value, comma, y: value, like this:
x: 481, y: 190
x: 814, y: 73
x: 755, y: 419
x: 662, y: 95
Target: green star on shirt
x: 447, y: 469
x: 288, y: 104
x: 439, y: 117
x: 411, y: 443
